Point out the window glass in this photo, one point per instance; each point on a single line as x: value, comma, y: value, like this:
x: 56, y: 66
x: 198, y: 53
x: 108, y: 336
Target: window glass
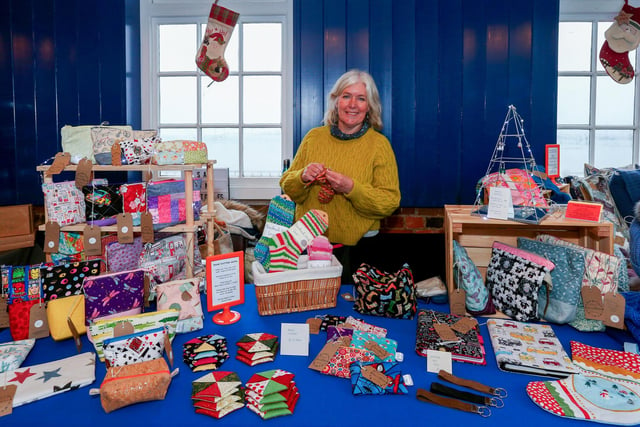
x: 614, y: 103
x: 573, y: 100
x: 262, y: 47
x: 220, y: 101
x: 172, y: 52
x: 613, y: 148
x: 262, y: 99
x: 223, y: 145
x: 170, y: 134
x: 574, y: 41
x: 574, y: 151
x: 178, y: 100
x: 264, y: 145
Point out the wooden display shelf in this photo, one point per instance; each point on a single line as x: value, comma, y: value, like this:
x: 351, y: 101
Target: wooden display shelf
x: 477, y: 234
x: 133, y: 168
x: 179, y: 228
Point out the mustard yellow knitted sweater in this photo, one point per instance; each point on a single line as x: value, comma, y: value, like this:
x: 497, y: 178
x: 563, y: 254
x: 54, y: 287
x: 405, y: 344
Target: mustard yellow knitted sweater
x: 369, y: 161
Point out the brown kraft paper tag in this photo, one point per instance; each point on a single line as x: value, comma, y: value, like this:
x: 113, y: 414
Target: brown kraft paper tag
x: 92, y: 240
x: 445, y: 332
x: 125, y: 228
x: 38, y: 323
x: 375, y: 348
x: 60, y: 161
x: 314, y: 325
x: 457, y: 302
x: 146, y: 226
x: 375, y: 376
x: 4, y: 312
x: 593, y: 305
x: 7, y: 393
x: 464, y: 325
x: 614, y: 310
x: 83, y: 173
x: 51, y: 237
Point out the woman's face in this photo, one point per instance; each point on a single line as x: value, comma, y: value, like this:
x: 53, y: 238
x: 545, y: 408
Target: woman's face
x: 352, y: 108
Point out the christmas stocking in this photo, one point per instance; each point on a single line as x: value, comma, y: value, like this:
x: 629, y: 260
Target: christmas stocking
x: 624, y: 34
x: 617, y: 65
x: 285, y: 248
x: 219, y: 29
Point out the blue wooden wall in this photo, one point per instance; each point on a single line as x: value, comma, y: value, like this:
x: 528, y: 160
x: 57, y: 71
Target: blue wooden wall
x: 446, y: 70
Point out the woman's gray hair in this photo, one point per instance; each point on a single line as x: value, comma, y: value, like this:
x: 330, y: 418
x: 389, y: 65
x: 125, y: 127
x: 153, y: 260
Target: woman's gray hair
x: 374, y: 116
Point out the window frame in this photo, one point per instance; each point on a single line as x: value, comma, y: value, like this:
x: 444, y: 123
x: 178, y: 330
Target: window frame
x: 156, y: 12
x: 594, y: 11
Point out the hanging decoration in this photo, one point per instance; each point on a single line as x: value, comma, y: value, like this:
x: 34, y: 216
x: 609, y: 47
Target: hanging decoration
x: 622, y: 37
x: 210, y: 57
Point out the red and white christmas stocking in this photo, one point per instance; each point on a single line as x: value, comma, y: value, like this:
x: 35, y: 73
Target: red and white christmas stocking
x: 210, y: 58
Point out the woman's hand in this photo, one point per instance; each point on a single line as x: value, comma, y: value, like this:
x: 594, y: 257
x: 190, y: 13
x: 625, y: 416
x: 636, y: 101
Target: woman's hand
x: 311, y: 172
x: 339, y: 182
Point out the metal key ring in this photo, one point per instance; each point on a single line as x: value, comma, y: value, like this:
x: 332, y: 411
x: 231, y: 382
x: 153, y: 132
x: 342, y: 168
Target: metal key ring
x: 496, y: 402
x: 500, y: 392
x: 484, y: 411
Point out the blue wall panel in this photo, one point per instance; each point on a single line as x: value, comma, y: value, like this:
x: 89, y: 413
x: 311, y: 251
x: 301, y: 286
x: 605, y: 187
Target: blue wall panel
x: 447, y: 73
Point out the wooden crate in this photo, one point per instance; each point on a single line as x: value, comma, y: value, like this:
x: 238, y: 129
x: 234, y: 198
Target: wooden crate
x: 16, y: 227
x: 477, y: 234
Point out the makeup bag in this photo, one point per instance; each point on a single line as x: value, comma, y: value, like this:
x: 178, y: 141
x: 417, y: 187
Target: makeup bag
x: 135, y: 348
x: 113, y: 293
x: 64, y: 202
x: 167, y: 204
x: 103, y: 137
x: 185, y: 296
x: 180, y: 152
x: 380, y: 293
x: 102, y: 201
x: 66, y: 317
x: 64, y: 280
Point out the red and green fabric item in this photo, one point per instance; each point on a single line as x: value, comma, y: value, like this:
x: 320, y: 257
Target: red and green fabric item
x: 210, y: 57
x: 272, y: 393
x: 217, y: 394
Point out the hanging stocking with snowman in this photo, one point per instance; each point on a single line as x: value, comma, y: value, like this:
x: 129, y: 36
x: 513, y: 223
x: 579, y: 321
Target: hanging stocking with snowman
x: 210, y: 57
x: 622, y: 37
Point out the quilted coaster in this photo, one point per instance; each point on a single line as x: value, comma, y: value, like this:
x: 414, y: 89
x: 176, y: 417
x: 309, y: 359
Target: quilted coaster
x: 252, y: 362
x: 257, y: 342
x: 215, y: 384
x: 268, y: 382
x: 217, y: 413
x: 272, y: 393
x: 206, y: 352
x: 281, y: 396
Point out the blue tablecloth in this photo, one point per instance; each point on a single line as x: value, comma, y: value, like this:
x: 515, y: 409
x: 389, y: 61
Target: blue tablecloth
x: 324, y: 400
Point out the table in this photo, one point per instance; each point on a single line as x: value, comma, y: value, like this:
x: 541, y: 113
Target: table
x: 324, y: 400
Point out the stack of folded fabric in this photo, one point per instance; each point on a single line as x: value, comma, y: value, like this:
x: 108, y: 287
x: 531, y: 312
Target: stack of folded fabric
x: 257, y: 348
x: 205, y: 353
x: 217, y: 394
x: 272, y: 393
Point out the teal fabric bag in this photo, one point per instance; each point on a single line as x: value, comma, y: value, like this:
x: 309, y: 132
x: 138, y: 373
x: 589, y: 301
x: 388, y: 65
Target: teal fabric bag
x: 561, y: 304
x: 467, y: 276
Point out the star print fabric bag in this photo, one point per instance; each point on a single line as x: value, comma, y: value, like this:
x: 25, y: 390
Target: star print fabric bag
x: 114, y: 293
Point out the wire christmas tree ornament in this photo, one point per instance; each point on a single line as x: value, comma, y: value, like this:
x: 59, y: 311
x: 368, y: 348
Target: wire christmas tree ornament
x: 512, y: 166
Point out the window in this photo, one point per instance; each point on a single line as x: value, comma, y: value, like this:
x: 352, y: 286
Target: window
x: 597, y: 117
x: 245, y: 120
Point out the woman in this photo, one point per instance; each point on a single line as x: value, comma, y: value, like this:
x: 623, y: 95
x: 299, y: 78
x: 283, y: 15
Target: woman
x: 347, y: 168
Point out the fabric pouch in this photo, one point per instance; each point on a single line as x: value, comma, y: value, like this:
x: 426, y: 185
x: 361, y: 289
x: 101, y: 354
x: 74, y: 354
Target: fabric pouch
x: 64, y: 280
x: 138, y: 151
x: 167, y: 204
x: 385, y: 294
x: 561, y: 303
x: 64, y: 202
x: 368, y: 378
x: 134, y: 199
x: 135, y: 348
x: 524, y: 190
x: 49, y: 379
x: 361, y: 325
x: 103, y: 137
x: 164, y: 259
x: 336, y: 332
x: 180, y: 152
x: 12, y: 354
x: 183, y: 295
x: 607, y: 389
x: 61, y: 313
x: 19, y: 318
x: 123, y: 256
x: 21, y: 283
x: 339, y: 363
x: 383, y: 349
x: 514, y: 277
x: 102, y: 201
x: 467, y: 276
x: 113, y: 293
x: 76, y: 140
x: 140, y: 382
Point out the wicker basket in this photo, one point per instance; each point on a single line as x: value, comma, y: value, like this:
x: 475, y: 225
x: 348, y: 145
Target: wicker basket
x: 303, y: 289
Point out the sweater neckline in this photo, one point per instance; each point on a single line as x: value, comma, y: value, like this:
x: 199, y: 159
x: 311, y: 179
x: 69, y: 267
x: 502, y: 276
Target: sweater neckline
x: 337, y: 133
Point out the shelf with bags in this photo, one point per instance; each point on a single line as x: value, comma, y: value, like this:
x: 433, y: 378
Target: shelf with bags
x: 189, y: 226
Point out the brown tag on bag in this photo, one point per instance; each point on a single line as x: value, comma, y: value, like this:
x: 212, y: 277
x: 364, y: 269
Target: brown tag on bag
x: 445, y: 332
x: 458, y: 302
x: 83, y: 173
x: 92, y: 240
x: 593, y: 305
x: 146, y: 226
x: 7, y: 393
x: 314, y: 325
x: 168, y: 349
x: 38, y: 323
x: 147, y: 289
x: 116, y: 154
x: 60, y: 161
x: 613, y: 310
x: 325, y: 355
x: 76, y: 335
x: 375, y: 348
x: 464, y: 325
x: 125, y: 228
x: 51, y: 237
x: 122, y: 329
x: 375, y: 376
x: 4, y: 312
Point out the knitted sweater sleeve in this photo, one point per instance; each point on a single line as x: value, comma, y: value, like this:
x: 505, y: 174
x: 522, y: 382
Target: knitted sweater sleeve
x: 291, y: 181
x: 378, y: 199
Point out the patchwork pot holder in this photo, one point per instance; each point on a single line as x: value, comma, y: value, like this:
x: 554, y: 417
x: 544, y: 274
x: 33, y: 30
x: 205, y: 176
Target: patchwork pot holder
x: 37, y: 382
x: 339, y: 363
x: 204, y: 353
x: 12, y: 354
x: 167, y: 204
x: 362, y: 385
x: 561, y: 303
x: 256, y: 342
x: 64, y: 280
x: 219, y: 409
x: 217, y: 394
x: 183, y: 295
x: 253, y: 359
x: 514, y: 278
x: 113, y: 293
x: 102, y: 201
x: 380, y: 293
x: 64, y: 202
x: 135, y: 348
x: 361, y: 339
x: 607, y: 389
x: 100, y: 330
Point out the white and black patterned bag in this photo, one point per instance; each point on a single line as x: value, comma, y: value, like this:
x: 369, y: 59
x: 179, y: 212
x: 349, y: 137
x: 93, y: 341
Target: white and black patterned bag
x: 514, y: 277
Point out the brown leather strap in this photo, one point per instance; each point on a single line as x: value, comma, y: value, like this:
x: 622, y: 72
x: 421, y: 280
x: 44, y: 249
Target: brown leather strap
x: 473, y: 385
x: 426, y: 396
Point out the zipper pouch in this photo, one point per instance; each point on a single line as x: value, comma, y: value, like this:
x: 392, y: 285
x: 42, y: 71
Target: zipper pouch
x: 135, y: 348
x: 113, y: 293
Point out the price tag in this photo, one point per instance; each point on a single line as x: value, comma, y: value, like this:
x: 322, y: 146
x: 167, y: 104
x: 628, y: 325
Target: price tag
x: 593, y: 306
x: 7, y: 393
x: 122, y: 329
x: 464, y: 325
x: 375, y: 348
x: 445, y: 332
x: 60, y: 161
x: 38, y: 323
x: 83, y: 173
x: 51, y: 237
x: 457, y: 302
x: 613, y: 310
x: 314, y: 325
x: 92, y: 240
x: 375, y: 376
x: 146, y: 226
x: 116, y: 154
x: 4, y: 312
x: 125, y: 228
